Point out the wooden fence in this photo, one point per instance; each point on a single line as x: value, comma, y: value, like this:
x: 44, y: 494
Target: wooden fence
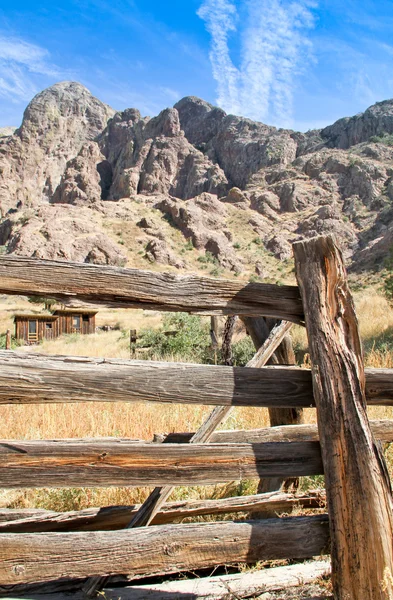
x: 53, y: 552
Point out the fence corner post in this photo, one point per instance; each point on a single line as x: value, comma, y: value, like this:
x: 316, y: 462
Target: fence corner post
x: 357, y: 484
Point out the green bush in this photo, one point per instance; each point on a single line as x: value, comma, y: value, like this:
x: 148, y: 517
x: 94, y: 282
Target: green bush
x: 243, y: 351
x: 47, y: 302
x: 216, y: 271
x: 386, y: 138
x: 191, y: 342
x: 14, y: 342
x: 208, y: 258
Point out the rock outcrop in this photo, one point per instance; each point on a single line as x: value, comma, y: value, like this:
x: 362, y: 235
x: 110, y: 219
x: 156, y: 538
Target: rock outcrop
x: 152, y: 156
x: 202, y: 220
x: 63, y: 233
x: 56, y: 124
x: 375, y: 121
x: 86, y: 179
x: 231, y: 187
x: 240, y: 146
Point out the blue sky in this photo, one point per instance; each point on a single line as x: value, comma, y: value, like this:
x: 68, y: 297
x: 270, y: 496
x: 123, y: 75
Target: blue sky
x: 297, y: 63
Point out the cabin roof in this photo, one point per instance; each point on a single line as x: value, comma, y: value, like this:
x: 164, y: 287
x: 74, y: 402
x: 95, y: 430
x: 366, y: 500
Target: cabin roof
x: 35, y: 316
x: 75, y: 311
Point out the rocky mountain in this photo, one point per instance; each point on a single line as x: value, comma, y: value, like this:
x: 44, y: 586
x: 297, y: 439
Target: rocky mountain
x: 192, y: 188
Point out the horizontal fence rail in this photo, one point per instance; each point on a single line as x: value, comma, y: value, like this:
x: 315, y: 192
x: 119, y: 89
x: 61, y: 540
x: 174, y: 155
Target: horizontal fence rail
x: 74, y: 463
x: 33, y: 378
x: 41, y: 557
x: 133, y: 288
x: 118, y: 517
x: 382, y: 430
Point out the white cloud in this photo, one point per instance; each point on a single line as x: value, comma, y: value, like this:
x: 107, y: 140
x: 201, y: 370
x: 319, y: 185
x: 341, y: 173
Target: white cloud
x: 220, y: 18
x: 274, y: 48
x: 20, y: 61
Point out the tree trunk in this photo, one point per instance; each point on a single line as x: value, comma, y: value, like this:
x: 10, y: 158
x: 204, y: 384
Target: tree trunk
x: 357, y: 482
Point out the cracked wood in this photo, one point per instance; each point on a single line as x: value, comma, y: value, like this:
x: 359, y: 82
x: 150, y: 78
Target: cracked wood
x: 33, y: 378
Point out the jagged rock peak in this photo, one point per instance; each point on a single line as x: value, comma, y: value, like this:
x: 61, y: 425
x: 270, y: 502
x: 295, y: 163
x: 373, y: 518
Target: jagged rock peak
x: 129, y: 115
x: 199, y: 120
x: 194, y: 101
x: 65, y: 100
x: 166, y: 123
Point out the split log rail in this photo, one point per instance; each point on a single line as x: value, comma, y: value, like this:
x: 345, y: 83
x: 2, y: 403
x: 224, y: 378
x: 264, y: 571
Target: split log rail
x: 82, y: 549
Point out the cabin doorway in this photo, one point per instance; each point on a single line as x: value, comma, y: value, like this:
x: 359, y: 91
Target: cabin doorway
x: 76, y: 324
x: 33, y: 331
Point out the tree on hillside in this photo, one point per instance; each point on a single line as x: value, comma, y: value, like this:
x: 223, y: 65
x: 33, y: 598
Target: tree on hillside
x: 47, y: 302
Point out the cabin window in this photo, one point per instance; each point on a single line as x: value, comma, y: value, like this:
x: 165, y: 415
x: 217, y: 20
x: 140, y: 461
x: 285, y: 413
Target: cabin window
x: 33, y: 333
x: 48, y: 325
x: 76, y: 323
x: 85, y: 318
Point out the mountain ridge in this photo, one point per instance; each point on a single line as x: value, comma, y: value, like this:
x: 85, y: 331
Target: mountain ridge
x: 79, y: 181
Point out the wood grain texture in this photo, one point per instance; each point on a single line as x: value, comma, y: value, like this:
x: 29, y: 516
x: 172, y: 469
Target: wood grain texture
x: 382, y: 430
x: 32, y: 379
x: 357, y: 482
x: 242, y: 585
x: 118, y: 517
x: 40, y: 557
x: 75, y: 463
x: 117, y: 287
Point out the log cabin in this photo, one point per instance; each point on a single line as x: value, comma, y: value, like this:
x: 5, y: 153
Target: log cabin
x: 32, y: 328
x: 76, y: 321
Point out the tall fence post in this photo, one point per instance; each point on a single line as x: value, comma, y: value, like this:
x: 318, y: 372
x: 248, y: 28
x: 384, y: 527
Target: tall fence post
x: 357, y: 483
x: 133, y: 339
x: 259, y: 329
x: 214, y: 335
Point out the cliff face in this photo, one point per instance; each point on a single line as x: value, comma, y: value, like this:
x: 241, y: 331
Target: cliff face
x: 192, y: 186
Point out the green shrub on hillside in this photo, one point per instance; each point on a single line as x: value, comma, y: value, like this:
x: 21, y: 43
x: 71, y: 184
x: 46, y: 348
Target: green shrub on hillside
x: 387, y: 139
x: 190, y: 341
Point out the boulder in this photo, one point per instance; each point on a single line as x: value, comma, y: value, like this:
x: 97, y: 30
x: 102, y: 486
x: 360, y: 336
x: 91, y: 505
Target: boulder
x: 158, y: 251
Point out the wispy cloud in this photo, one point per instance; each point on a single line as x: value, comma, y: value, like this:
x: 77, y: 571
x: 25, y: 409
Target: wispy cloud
x: 172, y: 95
x: 20, y: 61
x: 274, y: 46
x: 220, y: 18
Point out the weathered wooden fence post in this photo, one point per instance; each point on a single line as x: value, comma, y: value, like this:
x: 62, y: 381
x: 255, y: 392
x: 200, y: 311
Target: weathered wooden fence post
x: 8, y: 340
x: 214, y: 335
x: 357, y: 483
x: 226, y: 348
x: 133, y: 338
x: 259, y: 329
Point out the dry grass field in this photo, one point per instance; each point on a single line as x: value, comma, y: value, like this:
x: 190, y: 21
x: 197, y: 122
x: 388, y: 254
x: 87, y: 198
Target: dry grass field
x: 143, y: 420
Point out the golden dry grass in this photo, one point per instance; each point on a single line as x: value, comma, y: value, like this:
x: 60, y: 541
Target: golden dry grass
x: 141, y: 421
